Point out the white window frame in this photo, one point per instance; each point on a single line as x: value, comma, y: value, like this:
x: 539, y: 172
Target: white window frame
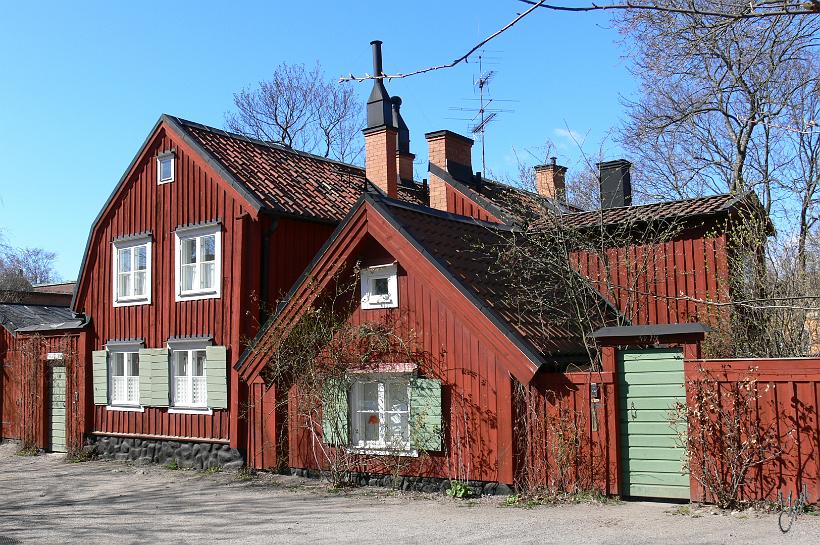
x: 357, y: 414
x: 117, y: 246
x: 197, y: 232
x: 169, y: 155
x: 368, y: 276
x: 125, y: 350
x: 187, y: 405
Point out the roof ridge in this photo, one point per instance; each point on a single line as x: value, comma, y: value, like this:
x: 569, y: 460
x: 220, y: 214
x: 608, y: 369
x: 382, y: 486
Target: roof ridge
x: 637, y: 206
x: 440, y: 214
x: 281, y: 147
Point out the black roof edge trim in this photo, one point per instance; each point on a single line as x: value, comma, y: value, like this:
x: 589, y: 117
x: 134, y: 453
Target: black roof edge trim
x: 659, y: 330
x: 472, y: 194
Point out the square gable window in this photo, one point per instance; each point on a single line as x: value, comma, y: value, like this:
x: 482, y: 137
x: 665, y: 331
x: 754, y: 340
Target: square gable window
x: 379, y: 287
x: 165, y: 167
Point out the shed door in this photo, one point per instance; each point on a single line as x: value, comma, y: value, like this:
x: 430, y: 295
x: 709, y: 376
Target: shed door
x: 58, y: 408
x: 650, y: 383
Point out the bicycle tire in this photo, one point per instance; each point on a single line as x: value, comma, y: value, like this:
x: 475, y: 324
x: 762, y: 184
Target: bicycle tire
x: 789, y: 517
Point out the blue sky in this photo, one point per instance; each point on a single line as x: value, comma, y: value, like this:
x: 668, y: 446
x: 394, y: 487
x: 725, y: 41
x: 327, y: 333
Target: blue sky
x: 83, y: 83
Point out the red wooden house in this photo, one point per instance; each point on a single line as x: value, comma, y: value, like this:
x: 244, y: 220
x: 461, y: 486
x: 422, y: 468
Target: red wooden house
x: 207, y: 230
x: 420, y: 263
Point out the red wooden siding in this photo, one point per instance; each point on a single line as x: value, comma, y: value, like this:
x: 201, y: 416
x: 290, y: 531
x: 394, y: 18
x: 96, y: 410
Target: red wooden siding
x: 652, y: 283
x: 789, y: 391
x: 263, y: 426
x: 25, y: 388
x: 459, y: 203
x: 551, y: 400
x: 476, y: 394
x: 196, y: 195
x: 157, y: 421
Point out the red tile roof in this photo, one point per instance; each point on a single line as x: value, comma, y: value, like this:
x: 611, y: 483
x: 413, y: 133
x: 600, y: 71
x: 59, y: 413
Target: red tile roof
x: 283, y: 179
x: 461, y: 246
x: 671, y: 210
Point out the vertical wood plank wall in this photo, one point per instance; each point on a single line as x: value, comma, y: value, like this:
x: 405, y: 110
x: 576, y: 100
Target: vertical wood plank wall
x: 653, y: 283
x: 789, y: 390
x: 196, y: 195
x: 25, y: 389
x: 475, y: 398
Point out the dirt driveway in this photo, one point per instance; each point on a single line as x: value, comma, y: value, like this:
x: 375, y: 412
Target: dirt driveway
x: 45, y: 500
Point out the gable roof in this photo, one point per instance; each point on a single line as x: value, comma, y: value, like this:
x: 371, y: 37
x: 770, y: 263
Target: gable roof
x: 698, y: 207
x: 459, y: 246
x: 451, y: 244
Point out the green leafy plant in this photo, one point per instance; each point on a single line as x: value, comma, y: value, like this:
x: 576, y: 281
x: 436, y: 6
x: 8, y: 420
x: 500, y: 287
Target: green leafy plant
x: 172, y: 465
x: 460, y: 490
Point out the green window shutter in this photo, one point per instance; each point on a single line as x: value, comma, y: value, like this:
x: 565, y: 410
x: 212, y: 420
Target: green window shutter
x: 216, y: 376
x: 425, y: 414
x: 99, y: 369
x: 145, y: 363
x: 157, y: 366
x: 335, y: 413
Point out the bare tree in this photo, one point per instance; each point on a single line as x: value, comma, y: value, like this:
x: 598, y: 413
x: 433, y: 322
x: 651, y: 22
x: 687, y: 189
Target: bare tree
x: 300, y: 108
x: 711, y: 98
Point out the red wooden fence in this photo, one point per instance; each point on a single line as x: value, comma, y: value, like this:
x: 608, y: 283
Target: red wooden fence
x: 788, y: 394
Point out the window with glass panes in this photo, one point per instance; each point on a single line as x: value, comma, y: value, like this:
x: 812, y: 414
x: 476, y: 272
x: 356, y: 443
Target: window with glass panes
x: 198, y: 263
x: 380, y: 413
x: 189, y: 386
x: 133, y: 274
x: 125, y: 378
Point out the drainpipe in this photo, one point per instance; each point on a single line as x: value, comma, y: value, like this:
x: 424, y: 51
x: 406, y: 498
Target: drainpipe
x: 264, y: 310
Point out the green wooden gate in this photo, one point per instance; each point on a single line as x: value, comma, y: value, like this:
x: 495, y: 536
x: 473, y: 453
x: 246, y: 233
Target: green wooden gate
x: 650, y: 383
x: 58, y: 415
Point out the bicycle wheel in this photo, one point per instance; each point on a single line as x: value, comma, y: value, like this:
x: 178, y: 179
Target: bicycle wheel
x: 785, y: 521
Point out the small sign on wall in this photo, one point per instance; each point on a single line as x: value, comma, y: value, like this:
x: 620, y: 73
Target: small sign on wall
x: 54, y: 356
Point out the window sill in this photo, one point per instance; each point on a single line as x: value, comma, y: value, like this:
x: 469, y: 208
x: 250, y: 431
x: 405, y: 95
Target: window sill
x: 376, y: 306
x: 385, y: 452
x: 197, y: 295
x: 190, y: 410
x: 131, y: 302
x: 126, y: 408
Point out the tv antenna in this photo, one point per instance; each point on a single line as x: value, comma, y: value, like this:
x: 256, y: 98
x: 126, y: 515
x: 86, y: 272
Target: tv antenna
x: 485, y: 113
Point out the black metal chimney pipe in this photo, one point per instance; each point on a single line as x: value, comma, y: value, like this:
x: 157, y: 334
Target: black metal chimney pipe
x: 379, y: 107
x: 377, y: 57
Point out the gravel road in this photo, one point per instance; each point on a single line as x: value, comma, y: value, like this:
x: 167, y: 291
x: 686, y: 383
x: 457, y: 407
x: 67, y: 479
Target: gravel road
x: 43, y: 499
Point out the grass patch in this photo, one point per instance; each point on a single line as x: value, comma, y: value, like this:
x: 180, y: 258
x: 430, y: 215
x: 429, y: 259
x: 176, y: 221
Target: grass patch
x: 28, y: 451
x: 528, y: 501
x: 172, y: 465
x: 212, y: 470
x: 245, y: 473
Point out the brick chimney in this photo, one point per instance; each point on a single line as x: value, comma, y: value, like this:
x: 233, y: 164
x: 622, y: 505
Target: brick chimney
x: 403, y: 156
x: 550, y: 181
x: 616, y: 183
x: 381, y: 135
x: 451, y: 153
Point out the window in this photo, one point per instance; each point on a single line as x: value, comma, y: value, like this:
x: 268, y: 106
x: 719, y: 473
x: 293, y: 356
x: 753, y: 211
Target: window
x: 380, y: 413
x: 132, y: 272
x: 165, y: 167
x: 188, y: 384
x: 380, y: 287
x: 125, y: 378
x: 199, y: 257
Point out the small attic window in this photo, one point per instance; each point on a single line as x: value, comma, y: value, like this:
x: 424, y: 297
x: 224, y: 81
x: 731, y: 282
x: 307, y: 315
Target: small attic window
x: 379, y: 287
x: 165, y: 167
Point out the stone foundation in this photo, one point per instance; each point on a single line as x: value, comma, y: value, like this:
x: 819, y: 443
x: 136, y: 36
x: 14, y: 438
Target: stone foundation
x: 417, y: 484
x: 155, y: 451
